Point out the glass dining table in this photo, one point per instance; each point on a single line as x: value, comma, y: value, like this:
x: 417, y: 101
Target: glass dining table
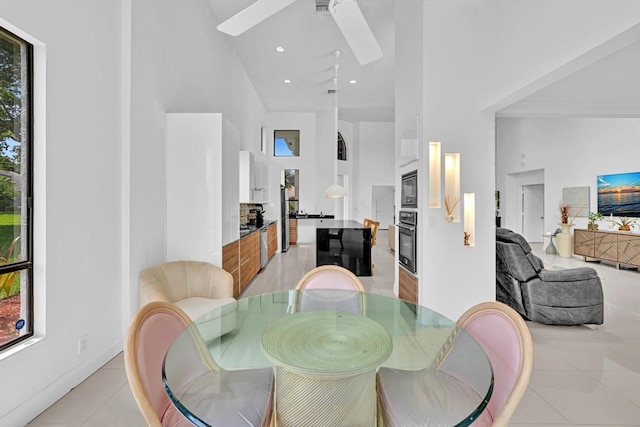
x: 325, y: 348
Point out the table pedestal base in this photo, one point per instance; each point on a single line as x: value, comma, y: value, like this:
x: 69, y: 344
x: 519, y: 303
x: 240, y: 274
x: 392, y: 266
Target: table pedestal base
x: 332, y: 401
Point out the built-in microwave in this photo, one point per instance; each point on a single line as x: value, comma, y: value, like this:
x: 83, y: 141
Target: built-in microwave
x: 407, y: 242
x: 409, y: 190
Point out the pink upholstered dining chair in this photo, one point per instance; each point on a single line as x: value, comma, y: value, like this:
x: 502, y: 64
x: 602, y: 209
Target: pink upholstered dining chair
x: 328, y: 278
x: 153, y: 329
x: 406, y: 398
x: 506, y: 340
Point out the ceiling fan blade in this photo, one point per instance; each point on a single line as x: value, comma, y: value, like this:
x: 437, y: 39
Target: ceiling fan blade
x: 355, y: 30
x: 252, y: 15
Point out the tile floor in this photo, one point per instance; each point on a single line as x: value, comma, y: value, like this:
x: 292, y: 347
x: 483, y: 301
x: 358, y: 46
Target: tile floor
x: 583, y: 375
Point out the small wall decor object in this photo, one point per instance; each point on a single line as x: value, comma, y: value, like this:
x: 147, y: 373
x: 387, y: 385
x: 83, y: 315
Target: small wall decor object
x: 449, y: 207
x: 435, y: 160
x: 452, y: 186
x: 578, y: 199
x: 469, y: 218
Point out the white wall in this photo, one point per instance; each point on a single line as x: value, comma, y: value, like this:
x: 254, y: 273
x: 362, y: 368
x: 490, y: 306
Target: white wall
x: 572, y: 152
x: 99, y: 218
x: 451, y: 89
x: 305, y: 162
x: 180, y: 63
x: 77, y: 214
x: 375, y: 163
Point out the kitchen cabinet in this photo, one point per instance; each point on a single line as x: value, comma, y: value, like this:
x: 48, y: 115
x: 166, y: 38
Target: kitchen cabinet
x: 408, y: 286
x: 249, y: 258
x: 198, y: 225
x: 272, y: 239
x: 246, y: 181
x: 293, y: 231
x: 261, y: 182
x: 231, y: 263
x: 241, y: 259
x: 252, y: 179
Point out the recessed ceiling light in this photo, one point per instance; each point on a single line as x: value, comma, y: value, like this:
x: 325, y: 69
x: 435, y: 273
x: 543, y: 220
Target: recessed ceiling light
x: 287, y: 81
x: 353, y: 82
x: 280, y: 49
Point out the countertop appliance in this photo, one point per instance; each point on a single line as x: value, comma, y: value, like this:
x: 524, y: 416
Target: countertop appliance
x: 284, y: 219
x: 409, y: 190
x: 407, y: 242
x: 259, y: 213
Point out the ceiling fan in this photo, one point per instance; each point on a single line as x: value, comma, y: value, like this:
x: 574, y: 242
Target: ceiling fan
x: 346, y: 13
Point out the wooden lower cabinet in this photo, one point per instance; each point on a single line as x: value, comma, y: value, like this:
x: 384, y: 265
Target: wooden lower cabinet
x: 621, y: 247
x: 249, y: 258
x: 241, y: 258
x: 272, y: 239
x: 231, y: 263
x: 408, y: 287
x: 293, y: 231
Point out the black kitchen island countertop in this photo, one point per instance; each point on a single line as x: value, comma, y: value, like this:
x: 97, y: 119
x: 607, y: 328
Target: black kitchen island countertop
x: 345, y: 243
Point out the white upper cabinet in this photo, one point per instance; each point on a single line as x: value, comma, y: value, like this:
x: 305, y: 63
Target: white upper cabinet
x: 261, y: 181
x: 253, y: 180
x: 247, y: 176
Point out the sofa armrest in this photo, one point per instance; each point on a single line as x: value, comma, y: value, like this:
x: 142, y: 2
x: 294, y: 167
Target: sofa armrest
x: 151, y: 291
x: 570, y: 275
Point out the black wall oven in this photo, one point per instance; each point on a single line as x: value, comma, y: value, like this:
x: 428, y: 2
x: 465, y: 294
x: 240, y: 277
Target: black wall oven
x: 407, y: 245
x: 409, y: 190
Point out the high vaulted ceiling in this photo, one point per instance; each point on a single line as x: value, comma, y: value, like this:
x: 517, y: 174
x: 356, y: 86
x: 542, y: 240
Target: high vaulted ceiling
x: 607, y: 88
x: 310, y: 39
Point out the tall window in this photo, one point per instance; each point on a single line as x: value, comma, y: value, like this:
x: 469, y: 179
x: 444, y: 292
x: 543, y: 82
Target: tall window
x: 292, y: 184
x: 342, y: 148
x: 16, y: 253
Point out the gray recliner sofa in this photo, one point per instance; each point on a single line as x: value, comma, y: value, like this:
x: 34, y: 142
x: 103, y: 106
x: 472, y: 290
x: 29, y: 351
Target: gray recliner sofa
x: 557, y: 297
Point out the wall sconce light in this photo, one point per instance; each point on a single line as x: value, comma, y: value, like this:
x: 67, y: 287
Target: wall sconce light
x: 452, y: 186
x: 435, y: 160
x: 469, y: 219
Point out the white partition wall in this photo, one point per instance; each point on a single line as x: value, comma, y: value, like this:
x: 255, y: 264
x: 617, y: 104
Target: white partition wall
x: 199, y: 207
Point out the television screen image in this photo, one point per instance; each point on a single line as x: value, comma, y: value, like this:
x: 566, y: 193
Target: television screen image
x: 619, y: 194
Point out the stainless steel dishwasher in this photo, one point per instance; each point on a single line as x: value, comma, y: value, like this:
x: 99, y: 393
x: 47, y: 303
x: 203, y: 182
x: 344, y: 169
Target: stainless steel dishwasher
x: 264, y: 240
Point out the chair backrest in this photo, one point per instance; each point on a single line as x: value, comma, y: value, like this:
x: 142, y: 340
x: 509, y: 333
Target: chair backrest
x: 152, y: 331
x: 505, y: 338
x: 373, y: 225
x: 330, y: 277
x: 176, y: 280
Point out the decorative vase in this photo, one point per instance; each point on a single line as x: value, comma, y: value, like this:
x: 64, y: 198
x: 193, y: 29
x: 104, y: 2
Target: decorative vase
x: 449, y: 218
x: 624, y: 228
x: 565, y: 241
x: 592, y: 226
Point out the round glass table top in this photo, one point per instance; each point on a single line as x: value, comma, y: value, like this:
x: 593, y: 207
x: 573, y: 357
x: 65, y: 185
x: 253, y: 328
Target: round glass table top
x: 327, y: 332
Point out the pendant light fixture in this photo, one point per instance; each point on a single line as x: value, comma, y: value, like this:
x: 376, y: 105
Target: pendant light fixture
x: 335, y: 190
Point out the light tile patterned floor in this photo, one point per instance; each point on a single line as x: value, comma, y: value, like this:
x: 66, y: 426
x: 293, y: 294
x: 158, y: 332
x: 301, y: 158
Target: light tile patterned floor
x: 583, y: 375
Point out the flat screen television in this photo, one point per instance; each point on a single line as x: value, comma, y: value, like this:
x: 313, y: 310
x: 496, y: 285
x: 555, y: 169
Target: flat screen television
x: 619, y: 194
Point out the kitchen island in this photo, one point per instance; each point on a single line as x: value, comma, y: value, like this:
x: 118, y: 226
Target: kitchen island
x: 343, y: 243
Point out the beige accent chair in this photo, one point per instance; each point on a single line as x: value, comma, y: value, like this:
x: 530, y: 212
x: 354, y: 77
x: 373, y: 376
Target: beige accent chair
x: 202, y: 290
